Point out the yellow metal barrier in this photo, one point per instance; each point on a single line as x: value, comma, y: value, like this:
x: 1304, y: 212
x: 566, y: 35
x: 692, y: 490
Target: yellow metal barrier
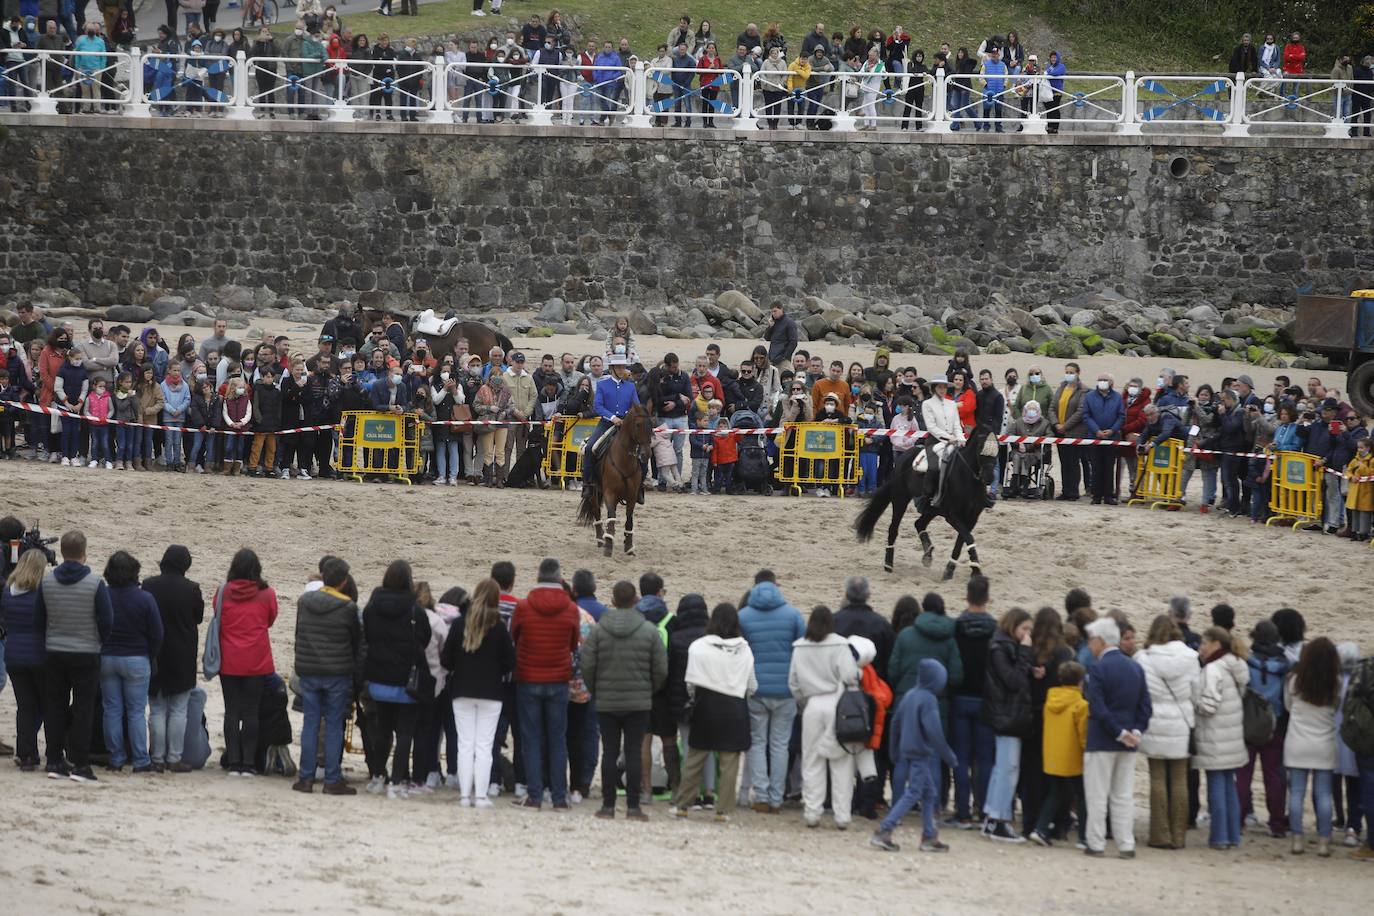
x: 820, y: 455
x: 1159, y: 479
x: 563, y: 448
x: 379, y: 444
x: 1295, y: 490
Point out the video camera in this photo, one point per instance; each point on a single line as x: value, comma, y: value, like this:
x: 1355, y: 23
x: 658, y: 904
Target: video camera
x: 16, y: 542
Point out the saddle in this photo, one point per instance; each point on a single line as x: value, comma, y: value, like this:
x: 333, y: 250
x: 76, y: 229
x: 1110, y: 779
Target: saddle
x: 428, y: 324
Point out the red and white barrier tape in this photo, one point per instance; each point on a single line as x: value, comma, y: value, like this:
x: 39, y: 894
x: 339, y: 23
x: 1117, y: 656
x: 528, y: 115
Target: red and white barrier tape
x: 914, y: 435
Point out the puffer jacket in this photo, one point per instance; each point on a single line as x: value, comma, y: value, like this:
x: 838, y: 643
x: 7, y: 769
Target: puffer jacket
x: 930, y: 636
x: 396, y: 630
x: 1220, y: 732
x: 546, y: 629
x: 1171, y: 673
x: 328, y: 635
x: 771, y: 625
x: 1310, y: 743
x: 1006, y: 692
x: 624, y: 662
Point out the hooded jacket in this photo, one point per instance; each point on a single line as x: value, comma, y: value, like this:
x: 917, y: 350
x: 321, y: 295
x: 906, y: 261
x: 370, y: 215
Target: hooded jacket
x: 329, y: 635
x: 914, y: 730
x: 74, y: 609
x: 396, y: 631
x: 1066, y: 731
x: 821, y: 668
x: 1220, y: 731
x: 247, y: 612
x: 930, y: 636
x: 545, y: 629
x: 771, y: 625
x: 624, y: 662
x: 1006, y: 690
x: 1171, y: 674
x: 684, y: 628
x: 973, y: 634
x: 720, y: 678
x: 1269, y: 666
x: 182, y: 609
x: 862, y: 620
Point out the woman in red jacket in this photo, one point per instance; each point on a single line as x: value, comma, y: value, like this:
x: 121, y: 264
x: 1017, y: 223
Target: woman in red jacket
x: 1136, y: 397
x: 711, y: 69
x: 247, y: 608
x: 964, y: 399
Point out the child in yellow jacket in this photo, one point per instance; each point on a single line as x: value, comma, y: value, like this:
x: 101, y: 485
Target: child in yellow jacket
x: 1359, y: 501
x: 1065, y: 738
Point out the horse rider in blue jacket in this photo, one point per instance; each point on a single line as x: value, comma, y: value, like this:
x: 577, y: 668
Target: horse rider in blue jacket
x: 614, y: 396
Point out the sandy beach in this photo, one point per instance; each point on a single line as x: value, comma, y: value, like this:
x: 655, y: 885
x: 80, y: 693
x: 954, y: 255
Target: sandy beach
x: 207, y: 844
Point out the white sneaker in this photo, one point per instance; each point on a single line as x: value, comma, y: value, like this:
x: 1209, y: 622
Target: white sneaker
x: 302, y: 475
x: 432, y: 781
x: 109, y: 465
x: 397, y: 792
x: 478, y: 13
x: 451, y: 781
x: 66, y: 462
x: 521, y: 793
x: 483, y: 803
x: 466, y: 802
x: 56, y: 457
x: 93, y: 464
x: 494, y: 790
x: 376, y: 785
x: 575, y: 797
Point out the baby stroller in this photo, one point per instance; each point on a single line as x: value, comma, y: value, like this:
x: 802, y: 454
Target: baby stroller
x: 1030, y: 473
x: 752, y: 471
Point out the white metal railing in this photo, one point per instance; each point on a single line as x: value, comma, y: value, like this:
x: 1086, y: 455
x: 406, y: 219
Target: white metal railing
x: 138, y: 85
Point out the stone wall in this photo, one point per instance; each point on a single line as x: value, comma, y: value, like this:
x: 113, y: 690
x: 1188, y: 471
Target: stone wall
x: 445, y: 217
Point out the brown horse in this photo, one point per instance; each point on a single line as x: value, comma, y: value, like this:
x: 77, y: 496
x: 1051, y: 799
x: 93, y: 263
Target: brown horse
x: 617, y: 481
x: 480, y: 338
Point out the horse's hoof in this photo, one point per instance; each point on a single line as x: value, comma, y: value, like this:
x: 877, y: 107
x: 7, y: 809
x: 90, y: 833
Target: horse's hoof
x: 949, y: 572
x: 887, y: 567
x: 629, y: 551
x: 927, y: 559
x: 608, y: 550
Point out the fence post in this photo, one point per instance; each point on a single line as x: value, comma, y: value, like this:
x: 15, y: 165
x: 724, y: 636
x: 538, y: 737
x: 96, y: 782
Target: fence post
x: 339, y: 111
x: 539, y: 115
x: 44, y: 103
x: 1235, y: 121
x: 639, y: 116
x: 1035, y: 121
x: 1338, y: 129
x: 238, y: 103
x: 1130, y: 118
x: 939, y: 112
x: 439, y: 91
x: 745, y: 116
x: 138, y: 95
x: 843, y: 122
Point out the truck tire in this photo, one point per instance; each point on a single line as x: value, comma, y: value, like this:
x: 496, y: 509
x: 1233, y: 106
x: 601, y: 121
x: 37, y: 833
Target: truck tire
x: 1361, y: 388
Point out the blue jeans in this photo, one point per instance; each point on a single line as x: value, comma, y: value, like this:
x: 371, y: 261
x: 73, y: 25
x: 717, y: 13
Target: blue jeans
x: 676, y: 423
x: 167, y: 726
x: 446, y: 458
x: 71, y: 437
x: 125, y: 449
x: 1223, y: 807
x: 1321, y: 800
x: 1232, y: 468
x: 868, y: 464
x: 770, y: 729
x: 124, y: 689
x: 327, y: 695
x: 544, y: 718
x: 202, y: 447
x: 233, y: 447
x: 100, y: 443
x: 919, y: 788
x: 992, y: 108
x: 957, y: 99
x: 975, y: 747
x: 171, y: 444
x: 1005, y: 774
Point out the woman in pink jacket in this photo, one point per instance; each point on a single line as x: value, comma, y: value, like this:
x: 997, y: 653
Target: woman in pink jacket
x: 247, y: 608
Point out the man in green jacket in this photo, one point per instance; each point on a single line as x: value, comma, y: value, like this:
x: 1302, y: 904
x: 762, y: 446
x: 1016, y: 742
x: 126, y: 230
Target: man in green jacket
x: 524, y: 397
x: 1035, y: 388
x: 623, y: 663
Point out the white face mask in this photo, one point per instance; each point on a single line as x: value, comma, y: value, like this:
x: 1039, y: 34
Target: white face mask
x: 1103, y: 384
x: 443, y: 376
x: 1070, y: 377
x: 1133, y: 390
x: 395, y: 378
x: 1159, y: 382
x: 1035, y: 378
x: 1268, y: 408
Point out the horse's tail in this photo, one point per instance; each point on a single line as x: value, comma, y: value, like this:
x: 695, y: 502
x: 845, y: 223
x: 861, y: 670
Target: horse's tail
x: 588, y: 510
x: 896, y: 488
x: 503, y: 342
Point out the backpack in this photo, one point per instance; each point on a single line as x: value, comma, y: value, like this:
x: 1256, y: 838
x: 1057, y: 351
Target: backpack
x: 853, y: 717
x: 1258, y: 720
x: 1357, y: 713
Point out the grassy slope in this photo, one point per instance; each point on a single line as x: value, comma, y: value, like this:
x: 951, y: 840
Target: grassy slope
x: 1099, y: 47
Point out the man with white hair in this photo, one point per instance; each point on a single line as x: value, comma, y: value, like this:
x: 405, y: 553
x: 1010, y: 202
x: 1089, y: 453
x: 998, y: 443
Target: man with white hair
x: 1118, y: 714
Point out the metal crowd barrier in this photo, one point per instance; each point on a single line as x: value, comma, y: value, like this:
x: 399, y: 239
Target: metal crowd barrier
x: 1295, y: 493
x: 819, y: 455
x: 139, y: 84
x: 563, y: 448
x: 1159, y: 477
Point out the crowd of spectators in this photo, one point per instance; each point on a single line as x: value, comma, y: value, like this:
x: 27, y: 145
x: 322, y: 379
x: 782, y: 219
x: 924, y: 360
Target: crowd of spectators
x: 695, y: 75
x: 852, y: 713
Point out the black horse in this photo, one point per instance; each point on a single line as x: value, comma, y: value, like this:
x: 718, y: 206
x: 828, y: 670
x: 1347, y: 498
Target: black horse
x: 963, y: 502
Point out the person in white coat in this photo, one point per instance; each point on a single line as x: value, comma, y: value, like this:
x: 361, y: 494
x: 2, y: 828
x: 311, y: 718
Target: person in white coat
x: 1171, y: 670
x: 1220, y: 731
x: 944, y: 434
x: 1309, y: 748
x: 822, y: 667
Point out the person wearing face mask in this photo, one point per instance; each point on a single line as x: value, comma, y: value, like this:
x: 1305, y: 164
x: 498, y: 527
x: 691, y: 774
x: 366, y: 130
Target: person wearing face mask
x: 1066, y: 411
x: 237, y: 418
x: 1011, y: 388
x: 1134, y: 399
x: 772, y: 76
x: 1034, y: 388
x: 446, y: 396
x: 1104, y: 413
x: 388, y: 393
x: 1025, y: 458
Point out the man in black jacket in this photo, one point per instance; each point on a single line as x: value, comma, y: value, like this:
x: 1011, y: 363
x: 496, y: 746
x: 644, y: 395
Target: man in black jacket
x: 750, y: 391
x: 989, y: 412
x: 974, y: 742
x: 671, y: 391
x: 1244, y: 59
x: 328, y: 658
x: 344, y: 329
x: 182, y: 608
x: 781, y: 335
